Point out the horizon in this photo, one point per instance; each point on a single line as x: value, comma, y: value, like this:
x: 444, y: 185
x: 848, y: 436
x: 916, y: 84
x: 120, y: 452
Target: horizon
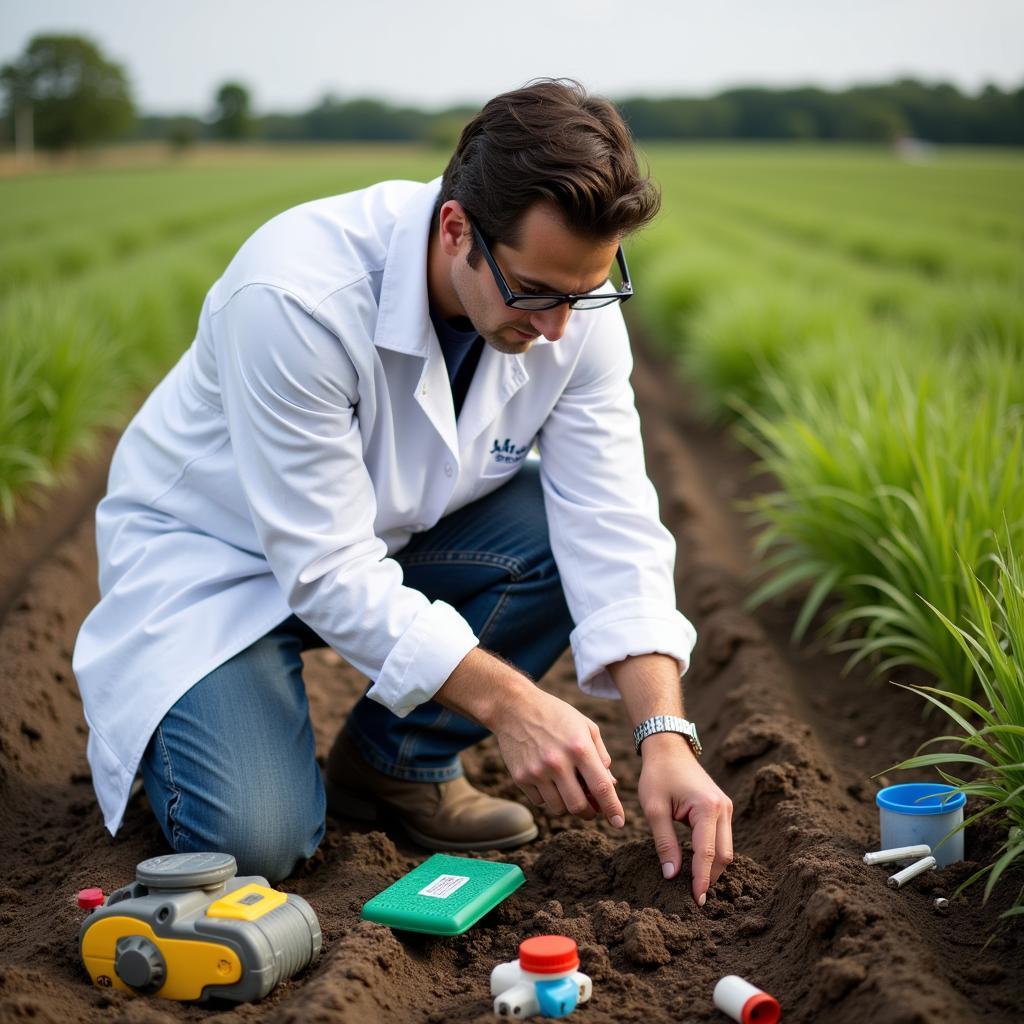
x: 625, y: 97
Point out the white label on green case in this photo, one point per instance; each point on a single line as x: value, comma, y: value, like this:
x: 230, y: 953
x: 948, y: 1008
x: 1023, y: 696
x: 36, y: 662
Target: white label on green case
x: 443, y: 886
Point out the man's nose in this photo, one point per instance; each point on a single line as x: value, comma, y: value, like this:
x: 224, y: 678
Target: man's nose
x: 551, y: 322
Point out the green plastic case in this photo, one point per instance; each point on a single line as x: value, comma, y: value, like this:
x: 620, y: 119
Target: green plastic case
x: 445, y: 895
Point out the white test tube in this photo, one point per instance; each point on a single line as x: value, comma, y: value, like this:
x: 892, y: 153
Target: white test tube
x: 745, y: 1003
x: 897, y: 853
x: 915, y: 869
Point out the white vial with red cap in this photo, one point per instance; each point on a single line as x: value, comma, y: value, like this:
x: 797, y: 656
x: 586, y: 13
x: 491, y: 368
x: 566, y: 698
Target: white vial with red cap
x: 545, y: 980
x: 745, y: 1003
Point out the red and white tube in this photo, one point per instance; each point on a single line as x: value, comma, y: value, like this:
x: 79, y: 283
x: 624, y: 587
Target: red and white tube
x: 745, y: 1003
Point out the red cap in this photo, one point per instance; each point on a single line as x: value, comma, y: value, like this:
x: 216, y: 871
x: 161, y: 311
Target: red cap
x: 89, y: 899
x: 548, y: 954
x: 761, y: 1009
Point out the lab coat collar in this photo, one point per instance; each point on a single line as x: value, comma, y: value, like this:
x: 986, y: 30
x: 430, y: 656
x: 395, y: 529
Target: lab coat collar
x: 404, y: 325
x: 403, y: 310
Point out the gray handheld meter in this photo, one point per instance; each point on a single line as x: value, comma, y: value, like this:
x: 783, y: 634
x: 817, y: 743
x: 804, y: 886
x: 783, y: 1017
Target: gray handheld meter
x: 188, y: 928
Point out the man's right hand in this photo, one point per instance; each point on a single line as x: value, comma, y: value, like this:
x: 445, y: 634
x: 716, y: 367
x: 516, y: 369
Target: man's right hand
x: 554, y: 753
x: 556, y: 756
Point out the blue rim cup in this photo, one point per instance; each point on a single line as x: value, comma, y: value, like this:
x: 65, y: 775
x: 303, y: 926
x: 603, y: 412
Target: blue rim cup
x: 923, y: 812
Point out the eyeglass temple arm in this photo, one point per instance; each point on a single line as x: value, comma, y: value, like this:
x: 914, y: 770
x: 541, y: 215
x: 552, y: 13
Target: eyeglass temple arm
x: 627, y: 284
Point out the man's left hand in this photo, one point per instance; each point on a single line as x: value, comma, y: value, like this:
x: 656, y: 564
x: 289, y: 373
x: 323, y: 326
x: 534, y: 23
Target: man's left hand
x: 674, y: 787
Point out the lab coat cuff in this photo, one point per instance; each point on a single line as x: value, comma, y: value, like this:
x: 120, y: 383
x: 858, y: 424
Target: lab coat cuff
x: 625, y: 629
x: 423, y: 659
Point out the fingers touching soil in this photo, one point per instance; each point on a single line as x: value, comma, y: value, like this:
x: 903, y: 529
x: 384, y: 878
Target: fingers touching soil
x: 792, y: 742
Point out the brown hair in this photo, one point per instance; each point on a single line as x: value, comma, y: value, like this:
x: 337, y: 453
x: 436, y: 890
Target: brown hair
x: 549, y: 141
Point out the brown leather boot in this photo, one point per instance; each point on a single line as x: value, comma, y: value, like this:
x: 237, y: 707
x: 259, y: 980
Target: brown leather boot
x: 437, y: 815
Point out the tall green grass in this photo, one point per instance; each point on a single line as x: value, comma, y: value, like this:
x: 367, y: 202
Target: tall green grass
x: 103, y: 273
x: 885, y: 476
x: 991, y: 728
x: 863, y: 319
x: 76, y: 359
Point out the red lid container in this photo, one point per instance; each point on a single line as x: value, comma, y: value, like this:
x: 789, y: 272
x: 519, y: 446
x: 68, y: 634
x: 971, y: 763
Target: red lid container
x: 90, y: 899
x: 548, y: 954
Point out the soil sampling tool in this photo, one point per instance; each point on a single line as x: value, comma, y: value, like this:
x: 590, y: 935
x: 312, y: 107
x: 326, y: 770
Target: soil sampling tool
x: 922, y: 813
x: 445, y: 895
x: 189, y: 928
x: 544, y: 980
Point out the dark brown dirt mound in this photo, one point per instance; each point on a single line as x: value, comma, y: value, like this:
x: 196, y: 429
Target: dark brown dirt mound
x: 792, y: 742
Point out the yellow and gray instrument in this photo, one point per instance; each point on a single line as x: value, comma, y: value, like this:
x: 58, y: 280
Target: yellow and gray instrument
x: 189, y: 928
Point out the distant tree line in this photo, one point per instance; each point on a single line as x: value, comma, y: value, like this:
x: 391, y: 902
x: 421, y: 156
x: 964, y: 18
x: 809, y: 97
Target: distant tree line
x: 331, y: 120
x: 62, y: 92
x: 935, y: 113
x: 880, y: 113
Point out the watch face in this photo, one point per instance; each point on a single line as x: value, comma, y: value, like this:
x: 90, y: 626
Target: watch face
x: 696, y: 740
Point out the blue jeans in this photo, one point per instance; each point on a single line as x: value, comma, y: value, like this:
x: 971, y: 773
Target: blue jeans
x: 232, y: 765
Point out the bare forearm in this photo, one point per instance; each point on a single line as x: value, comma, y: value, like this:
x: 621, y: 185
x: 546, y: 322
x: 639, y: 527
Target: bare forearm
x: 649, y: 684
x: 482, y: 687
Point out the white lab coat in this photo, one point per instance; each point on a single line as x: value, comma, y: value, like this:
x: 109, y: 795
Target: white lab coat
x: 301, y: 440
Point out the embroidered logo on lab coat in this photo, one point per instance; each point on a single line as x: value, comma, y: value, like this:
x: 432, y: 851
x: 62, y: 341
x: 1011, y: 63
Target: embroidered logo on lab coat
x: 507, y: 452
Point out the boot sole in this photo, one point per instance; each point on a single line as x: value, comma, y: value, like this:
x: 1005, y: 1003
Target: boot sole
x: 342, y: 803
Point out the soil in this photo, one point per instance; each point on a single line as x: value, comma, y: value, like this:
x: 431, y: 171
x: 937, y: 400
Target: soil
x: 793, y: 742
x: 44, y: 517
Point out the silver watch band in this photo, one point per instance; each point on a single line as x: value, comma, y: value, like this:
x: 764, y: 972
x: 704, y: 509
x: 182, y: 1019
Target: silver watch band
x: 667, y: 723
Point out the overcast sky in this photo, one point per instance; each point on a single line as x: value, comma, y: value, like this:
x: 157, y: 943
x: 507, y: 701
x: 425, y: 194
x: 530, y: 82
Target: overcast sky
x: 436, y: 53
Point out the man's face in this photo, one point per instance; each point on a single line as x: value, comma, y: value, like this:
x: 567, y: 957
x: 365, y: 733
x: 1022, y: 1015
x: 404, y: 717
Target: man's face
x: 548, y: 258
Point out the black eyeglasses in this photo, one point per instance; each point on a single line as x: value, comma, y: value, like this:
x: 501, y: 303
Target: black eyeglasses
x: 605, y: 295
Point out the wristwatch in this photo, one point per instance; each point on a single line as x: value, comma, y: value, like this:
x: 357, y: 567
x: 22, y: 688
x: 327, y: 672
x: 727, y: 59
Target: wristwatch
x: 667, y: 723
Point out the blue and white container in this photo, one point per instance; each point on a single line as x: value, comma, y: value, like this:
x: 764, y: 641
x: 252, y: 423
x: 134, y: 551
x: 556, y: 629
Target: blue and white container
x: 917, y: 813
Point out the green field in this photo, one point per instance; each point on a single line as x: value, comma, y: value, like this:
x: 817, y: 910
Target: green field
x: 858, y: 318
x: 860, y: 321
x: 862, y: 317
x: 102, y: 274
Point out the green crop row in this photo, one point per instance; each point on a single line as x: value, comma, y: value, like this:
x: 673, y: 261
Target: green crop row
x: 77, y: 357
x: 927, y: 250
x: 740, y: 295
x: 991, y: 736
x: 878, y: 371
x: 888, y: 474
x: 104, y: 292
x: 114, y: 219
x: 962, y: 191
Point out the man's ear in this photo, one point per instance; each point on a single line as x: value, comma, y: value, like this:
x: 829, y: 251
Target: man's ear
x: 454, y: 227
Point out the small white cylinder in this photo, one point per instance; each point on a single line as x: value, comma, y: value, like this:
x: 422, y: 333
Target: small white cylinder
x: 518, y: 1001
x: 744, y: 1002
x: 918, y: 868
x: 897, y: 853
x: 505, y: 976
